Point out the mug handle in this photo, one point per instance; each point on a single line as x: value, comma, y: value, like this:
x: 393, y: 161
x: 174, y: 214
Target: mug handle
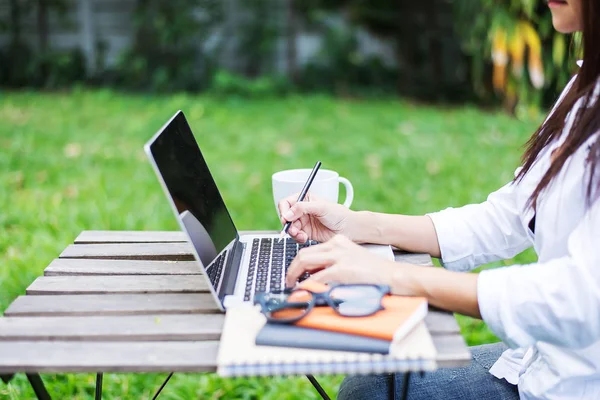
x: 349, y: 191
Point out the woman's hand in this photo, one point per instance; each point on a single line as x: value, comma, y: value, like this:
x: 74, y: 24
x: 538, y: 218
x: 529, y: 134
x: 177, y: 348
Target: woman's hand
x: 314, y: 219
x: 343, y: 261
x: 321, y: 220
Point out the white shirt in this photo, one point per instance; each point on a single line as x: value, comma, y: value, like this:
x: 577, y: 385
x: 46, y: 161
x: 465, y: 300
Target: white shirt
x: 547, y: 312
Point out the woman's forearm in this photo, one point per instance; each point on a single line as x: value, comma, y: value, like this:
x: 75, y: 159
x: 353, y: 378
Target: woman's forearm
x: 452, y: 291
x: 411, y: 233
x: 445, y: 289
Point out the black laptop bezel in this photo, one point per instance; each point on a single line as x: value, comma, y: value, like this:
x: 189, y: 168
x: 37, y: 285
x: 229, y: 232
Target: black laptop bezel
x: 234, y: 258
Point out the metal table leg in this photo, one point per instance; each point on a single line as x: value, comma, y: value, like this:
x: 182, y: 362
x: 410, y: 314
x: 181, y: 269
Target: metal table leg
x: 162, y: 386
x: 99, y: 377
x: 38, y: 387
x: 392, y: 386
x: 319, y: 388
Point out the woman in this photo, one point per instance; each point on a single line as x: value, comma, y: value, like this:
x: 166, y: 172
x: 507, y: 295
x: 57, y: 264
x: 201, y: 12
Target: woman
x: 547, y: 313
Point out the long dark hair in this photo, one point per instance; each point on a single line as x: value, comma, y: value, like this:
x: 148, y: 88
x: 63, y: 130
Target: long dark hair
x: 586, y: 122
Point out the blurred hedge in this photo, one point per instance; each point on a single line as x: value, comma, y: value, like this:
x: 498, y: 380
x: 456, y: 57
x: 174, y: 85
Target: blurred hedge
x: 443, y: 49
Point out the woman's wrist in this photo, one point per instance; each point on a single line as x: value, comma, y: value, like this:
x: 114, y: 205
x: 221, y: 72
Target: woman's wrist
x: 364, y: 227
x: 405, y: 280
x: 411, y: 233
x: 452, y: 291
x: 377, y: 228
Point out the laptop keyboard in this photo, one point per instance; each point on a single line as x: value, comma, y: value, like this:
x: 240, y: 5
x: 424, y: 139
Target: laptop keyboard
x: 270, y: 260
x: 215, y: 270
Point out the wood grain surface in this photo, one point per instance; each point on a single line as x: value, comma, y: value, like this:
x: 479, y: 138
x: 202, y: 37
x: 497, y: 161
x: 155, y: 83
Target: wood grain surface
x: 121, y: 301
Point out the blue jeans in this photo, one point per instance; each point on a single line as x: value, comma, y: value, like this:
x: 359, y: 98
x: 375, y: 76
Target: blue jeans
x: 473, y: 382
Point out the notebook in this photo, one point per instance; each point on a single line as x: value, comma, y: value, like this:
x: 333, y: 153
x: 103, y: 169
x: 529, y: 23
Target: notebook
x: 240, y: 356
x: 285, y: 335
x: 399, y: 316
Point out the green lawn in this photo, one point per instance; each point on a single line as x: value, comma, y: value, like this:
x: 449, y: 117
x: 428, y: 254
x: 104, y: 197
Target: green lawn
x: 74, y: 161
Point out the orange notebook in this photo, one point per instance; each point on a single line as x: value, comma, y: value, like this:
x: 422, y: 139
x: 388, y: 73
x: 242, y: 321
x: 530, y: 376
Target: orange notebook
x: 399, y: 316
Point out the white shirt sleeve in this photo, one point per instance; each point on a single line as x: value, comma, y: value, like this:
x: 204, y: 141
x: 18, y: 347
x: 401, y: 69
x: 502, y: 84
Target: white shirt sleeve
x: 476, y: 234
x: 557, y: 302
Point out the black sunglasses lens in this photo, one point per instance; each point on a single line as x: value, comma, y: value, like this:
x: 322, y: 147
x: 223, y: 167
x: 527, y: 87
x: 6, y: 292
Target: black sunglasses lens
x: 356, y: 301
x: 287, y: 306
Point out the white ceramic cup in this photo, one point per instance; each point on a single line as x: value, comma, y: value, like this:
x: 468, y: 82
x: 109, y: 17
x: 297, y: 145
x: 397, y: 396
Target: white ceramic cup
x: 326, y: 185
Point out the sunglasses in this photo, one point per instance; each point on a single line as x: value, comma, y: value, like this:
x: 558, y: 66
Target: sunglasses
x: 291, y: 305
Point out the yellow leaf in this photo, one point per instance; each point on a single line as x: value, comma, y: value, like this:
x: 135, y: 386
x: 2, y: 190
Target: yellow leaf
x: 531, y: 36
x: 499, y: 50
x: 536, y: 70
x: 499, y: 58
x: 517, y: 53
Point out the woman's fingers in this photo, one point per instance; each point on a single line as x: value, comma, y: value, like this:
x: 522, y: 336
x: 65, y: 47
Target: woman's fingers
x: 298, y: 235
x: 294, y: 229
x: 312, y: 258
x: 293, y: 276
x: 309, y: 260
x: 303, y: 208
x: 298, y: 232
x: 284, y: 205
x: 328, y: 275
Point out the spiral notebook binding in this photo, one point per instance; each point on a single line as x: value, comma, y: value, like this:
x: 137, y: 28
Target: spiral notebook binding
x: 387, y: 365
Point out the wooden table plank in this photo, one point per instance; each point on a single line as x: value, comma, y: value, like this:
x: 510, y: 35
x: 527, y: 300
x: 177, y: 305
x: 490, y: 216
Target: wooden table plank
x: 88, y: 237
x: 87, y: 266
x: 78, y: 266
x: 131, y: 251
x: 451, y: 351
x: 177, y: 251
x: 73, y: 357
x: 70, y: 357
x: 62, y: 356
x: 119, y: 329
x: 441, y: 322
x: 413, y: 258
x: 118, y: 284
x: 114, y: 304
x: 150, y: 327
x: 438, y: 322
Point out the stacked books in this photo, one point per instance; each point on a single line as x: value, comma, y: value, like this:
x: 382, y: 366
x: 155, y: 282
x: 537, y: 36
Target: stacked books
x: 394, y: 339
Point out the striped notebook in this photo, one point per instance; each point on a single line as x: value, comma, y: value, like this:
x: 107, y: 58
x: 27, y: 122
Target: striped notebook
x: 240, y: 356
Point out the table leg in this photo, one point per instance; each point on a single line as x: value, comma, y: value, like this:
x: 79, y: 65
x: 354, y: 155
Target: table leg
x: 38, y: 387
x: 392, y: 393
x: 99, y: 378
x: 162, y: 386
x: 6, y: 378
x: 319, y: 388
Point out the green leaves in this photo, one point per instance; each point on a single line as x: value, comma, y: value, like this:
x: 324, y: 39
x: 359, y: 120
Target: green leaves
x: 559, y: 50
x: 484, y: 21
x: 528, y: 7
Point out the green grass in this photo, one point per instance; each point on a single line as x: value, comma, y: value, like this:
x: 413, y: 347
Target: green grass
x: 73, y: 161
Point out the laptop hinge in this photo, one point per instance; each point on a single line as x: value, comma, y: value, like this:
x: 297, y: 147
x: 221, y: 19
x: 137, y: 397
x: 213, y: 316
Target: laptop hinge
x: 231, y: 271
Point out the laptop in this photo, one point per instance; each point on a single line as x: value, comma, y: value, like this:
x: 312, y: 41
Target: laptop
x: 235, y: 267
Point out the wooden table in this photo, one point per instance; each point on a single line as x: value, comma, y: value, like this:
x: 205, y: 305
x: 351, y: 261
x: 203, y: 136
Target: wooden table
x: 117, y: 301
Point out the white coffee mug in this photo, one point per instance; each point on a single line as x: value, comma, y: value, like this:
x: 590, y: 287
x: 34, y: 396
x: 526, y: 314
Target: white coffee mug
x: 326, y: 185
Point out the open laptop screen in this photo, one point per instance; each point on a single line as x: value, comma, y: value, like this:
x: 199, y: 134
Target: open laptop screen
x: 192, y: 189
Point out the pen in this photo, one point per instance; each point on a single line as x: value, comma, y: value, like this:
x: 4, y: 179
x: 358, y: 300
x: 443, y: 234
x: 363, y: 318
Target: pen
x: 302, y: 195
